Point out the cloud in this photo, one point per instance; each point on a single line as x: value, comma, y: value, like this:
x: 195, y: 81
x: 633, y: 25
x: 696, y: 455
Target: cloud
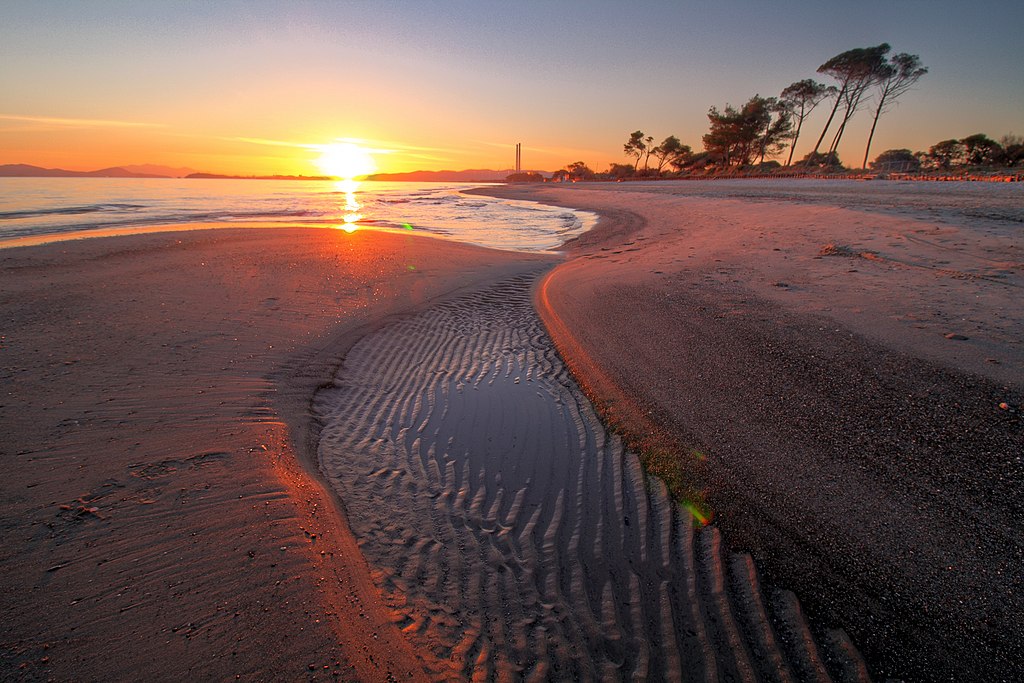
x: 371, y: 146
x: 271, y: 143
x: 79, y: 123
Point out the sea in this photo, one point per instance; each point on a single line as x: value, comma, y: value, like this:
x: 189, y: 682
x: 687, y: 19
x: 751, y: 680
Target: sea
x: 80, y: 207
x: 56, y: 208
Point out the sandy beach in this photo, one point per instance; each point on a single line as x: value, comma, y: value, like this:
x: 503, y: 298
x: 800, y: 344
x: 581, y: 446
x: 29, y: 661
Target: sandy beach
x: 163, y: 517
x: 191, y: 418
x: 845, y: 388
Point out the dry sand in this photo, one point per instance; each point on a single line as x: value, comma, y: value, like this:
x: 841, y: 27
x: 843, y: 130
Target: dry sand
x: 161, y: 504
x: 868, y: 462
x: 162, y: 514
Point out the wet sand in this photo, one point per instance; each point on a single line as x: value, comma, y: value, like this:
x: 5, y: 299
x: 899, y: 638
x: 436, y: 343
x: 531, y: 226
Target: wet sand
x: 516, y: 539
x: 163, y: 500
x: 163, y: 515
x: 843, y: 430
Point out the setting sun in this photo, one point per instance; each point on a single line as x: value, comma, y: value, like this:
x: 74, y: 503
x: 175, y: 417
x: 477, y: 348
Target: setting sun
x: 346, y: 160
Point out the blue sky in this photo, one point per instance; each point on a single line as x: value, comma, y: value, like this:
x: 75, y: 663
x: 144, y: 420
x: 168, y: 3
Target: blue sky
x: 456, y: 84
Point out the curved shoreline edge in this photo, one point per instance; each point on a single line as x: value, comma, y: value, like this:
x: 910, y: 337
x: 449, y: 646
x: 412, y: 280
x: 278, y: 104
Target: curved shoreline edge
x: 866, y: 464
x: 159, y: 497
x: 514, y: 537
x: 126, y: 470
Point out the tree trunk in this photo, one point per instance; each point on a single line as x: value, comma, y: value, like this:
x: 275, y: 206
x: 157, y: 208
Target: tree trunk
x: 839, y: 133
x: 839, y: 97
x: 796, y: 136
x: 878, y: 112
x: 764, y: 141
x: 854, y: 104
x: 847, y: 115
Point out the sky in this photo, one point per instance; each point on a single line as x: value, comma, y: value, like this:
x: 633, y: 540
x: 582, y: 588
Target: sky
x: 254, y: 87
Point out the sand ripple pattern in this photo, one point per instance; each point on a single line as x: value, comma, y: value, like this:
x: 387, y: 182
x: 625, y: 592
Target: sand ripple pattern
x: 515, y: 538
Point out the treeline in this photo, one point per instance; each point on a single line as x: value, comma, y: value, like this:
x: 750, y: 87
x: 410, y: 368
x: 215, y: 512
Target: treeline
x: 765, y: 127
x: 757, y: 135
x: 976, y: 151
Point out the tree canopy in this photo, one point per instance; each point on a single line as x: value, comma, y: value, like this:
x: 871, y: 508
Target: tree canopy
x: 800, y: 99
x: 738, y: 135
x: 578, y: 170
x: 638, y: 145
x: 765, y: 126
x: 855, y: 71
x: 893, y: 78
x: 896, y: 161
x: 672, y: 152
x: 972, y: 151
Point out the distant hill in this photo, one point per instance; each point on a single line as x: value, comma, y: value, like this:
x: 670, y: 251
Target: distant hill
x: 28, y: 171
x: 470, y: 176
x: 165, y: 171
x: 137, y: 171
x: 156, y: 171
x: 118, y: 172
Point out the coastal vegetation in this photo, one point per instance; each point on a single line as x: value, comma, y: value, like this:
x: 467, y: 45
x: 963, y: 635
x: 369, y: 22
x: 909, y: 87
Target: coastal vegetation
x: 747, y: 154
x: 751, y: 139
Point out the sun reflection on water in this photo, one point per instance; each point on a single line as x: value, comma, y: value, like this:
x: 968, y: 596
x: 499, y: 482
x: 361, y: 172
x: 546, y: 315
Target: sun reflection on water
x: 351, y: 216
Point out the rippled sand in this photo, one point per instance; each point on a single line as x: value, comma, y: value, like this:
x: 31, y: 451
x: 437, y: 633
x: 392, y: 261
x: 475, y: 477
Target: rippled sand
x: 513, y: 536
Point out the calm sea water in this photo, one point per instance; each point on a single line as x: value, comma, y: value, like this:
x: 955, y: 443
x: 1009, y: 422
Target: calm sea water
x: 54, y: 206
x: 63, y: 206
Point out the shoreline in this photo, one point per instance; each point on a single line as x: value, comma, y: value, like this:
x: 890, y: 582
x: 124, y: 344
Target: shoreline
x: 154, y: 229
x: 633, y: 359
x: 994, y: 177
x: 836, y: 262
x: 162, y: 494
x: 864, y: 466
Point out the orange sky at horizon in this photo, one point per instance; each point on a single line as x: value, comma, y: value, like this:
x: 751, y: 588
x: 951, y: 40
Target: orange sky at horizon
x: 83, y: 145
x: 254, y: 88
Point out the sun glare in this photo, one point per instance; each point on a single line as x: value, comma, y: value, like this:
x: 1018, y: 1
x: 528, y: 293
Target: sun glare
x: 345, y: 160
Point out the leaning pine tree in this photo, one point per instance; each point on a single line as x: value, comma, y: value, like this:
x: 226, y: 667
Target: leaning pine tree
x: 800, y: 99
x: 855, y: 70
x: 896, y: 77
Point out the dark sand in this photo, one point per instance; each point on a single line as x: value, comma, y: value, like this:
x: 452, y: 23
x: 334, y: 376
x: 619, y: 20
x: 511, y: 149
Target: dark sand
x: 865, y: 459
x: 515, y: 538
x: 162, y: 514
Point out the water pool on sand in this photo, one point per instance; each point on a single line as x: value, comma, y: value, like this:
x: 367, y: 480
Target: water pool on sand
x: 513, y: 536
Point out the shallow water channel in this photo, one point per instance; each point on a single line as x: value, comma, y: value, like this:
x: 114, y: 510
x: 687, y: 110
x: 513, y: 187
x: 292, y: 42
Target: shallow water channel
x: 512, y: 535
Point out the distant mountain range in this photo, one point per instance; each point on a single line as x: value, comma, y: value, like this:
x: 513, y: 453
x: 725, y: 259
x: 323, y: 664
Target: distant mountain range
x: 165, y: 171
x: 140, y: 171
x: 155, y: 171
x: 27, y: 171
